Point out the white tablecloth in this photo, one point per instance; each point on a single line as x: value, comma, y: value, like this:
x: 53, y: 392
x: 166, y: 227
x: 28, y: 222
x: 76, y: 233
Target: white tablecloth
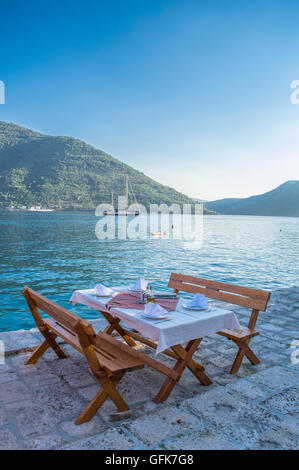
x: 183, y: 325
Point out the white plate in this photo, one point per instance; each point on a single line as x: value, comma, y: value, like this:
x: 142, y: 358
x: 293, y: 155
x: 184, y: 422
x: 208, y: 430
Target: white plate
x: 196, y: 308
x: 150, y: 317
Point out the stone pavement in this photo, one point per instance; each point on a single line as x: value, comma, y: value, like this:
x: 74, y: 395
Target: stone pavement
x: 254, y: 409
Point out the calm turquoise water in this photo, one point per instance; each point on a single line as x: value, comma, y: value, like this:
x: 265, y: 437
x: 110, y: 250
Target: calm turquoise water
x: 56, y: 253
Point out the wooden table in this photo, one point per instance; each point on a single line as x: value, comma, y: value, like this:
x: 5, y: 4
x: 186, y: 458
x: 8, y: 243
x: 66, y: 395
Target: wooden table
x: 157, y: 334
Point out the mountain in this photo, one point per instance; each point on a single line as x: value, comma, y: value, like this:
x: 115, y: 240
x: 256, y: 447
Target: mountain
x: 281, y: 201
x: 67, y: 173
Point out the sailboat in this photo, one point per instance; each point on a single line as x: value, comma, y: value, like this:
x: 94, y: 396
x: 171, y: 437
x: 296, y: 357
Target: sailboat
x: 115, y: 211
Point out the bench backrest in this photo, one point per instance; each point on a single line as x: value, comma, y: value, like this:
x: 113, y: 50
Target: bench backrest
x: 246, y: 297
x: 60, y: 314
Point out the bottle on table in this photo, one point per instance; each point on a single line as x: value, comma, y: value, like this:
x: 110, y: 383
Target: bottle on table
x: 150, y: 296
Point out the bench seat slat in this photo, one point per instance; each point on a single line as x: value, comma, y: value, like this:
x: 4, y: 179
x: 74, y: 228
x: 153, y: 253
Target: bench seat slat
x: 244, y: 333
x: 111, y: 359
x: 122, y: 357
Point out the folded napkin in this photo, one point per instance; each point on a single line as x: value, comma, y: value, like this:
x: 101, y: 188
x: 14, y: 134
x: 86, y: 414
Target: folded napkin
x: 154, y: 310
x: 141, y: 284
x: 199, y: 300
x: 100, y: 289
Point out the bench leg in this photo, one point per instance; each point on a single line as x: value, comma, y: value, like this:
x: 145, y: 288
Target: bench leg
x: 244, y: 350
x: 50, y: 337
x: 237, y: 362
x: 115, y: 396
x: 49, y: 341
x: 108, y: 390
x: 38, y: 352
x: 250, y: 354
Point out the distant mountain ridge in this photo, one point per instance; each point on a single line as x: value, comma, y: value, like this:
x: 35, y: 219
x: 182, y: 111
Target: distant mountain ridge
x: 281, y: 201
x: 37, y: 169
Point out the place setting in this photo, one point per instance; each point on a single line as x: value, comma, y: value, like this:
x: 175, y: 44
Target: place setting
x: 199, y: 302
x: 155, y: 306
x: 141, y: 296
x: 153, y: 311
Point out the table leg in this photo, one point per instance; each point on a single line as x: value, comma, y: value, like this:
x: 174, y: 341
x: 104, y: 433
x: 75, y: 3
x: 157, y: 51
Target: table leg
x: 114, y: 325
x: 184, y: 360
x: 183, y: 357
x: 194, y: 367
x: 177, y: 352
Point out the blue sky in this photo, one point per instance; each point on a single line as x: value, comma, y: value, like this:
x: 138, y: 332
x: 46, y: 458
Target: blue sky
x: 195, y: 94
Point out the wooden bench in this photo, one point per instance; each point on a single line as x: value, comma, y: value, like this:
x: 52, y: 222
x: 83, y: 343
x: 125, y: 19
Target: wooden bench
x: 108, y: 358
x: 246, y: 297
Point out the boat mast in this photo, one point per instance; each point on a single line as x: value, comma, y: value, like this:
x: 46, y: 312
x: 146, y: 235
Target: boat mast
x: 127, y: 192
x: 112, y: 204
